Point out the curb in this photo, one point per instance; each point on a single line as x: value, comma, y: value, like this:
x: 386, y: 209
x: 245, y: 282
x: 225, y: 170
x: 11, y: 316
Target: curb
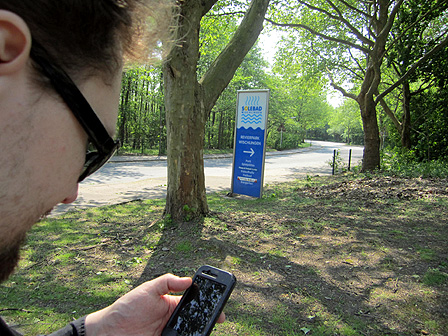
x: 143, y: 158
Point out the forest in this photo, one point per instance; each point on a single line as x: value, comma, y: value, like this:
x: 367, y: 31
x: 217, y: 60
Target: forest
x: 299, y: 107
x: 384, y: 60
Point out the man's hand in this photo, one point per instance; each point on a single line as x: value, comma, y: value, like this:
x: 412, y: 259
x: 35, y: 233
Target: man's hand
x: 143, y: 311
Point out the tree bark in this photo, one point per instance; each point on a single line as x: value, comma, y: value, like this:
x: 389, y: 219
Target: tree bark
x: 406, y: 123
x: 189, y: 102
x: 369, y: 88
x: 185, y: 118
x: 371, y: 155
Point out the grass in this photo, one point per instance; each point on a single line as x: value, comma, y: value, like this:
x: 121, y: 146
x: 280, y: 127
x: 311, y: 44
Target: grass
x: 346, y: 255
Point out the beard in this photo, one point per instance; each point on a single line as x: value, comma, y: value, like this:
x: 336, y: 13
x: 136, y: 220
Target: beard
x: 10, y: 251
x: 9, y: 258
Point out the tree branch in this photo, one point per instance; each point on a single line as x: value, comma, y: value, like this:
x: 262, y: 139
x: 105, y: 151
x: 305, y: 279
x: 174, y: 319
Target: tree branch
x: 352, y: 71
x: 226, y: 14
x: 423, y: 59
x: 390, y: 20
x: 341, y: 19
x: 391, y: 115
x: 220, y: 73
x: 341, y: 89
x: 208, y: 4
x: 346, y: 4
x: 395, y: 40
x: 423, y: 87
x: 357, y: 62
x: 325, y: 37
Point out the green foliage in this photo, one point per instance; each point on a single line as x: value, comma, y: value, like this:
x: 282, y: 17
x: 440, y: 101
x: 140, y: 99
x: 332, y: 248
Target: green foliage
x: 405, y: 164
x: 189, y: 213
x: 345, y: 123
x: 429, y: 136
x: 423, y: 22
x: 298, y: 102
x: 219, y: 131
x: 298, y: 82
x: 141, y: 118
x: 168, y: 222
x: 216, y: 32
x: 331, y: 37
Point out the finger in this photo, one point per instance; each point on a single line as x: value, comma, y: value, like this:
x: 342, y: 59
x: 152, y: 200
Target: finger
x: 169, y: 283
x: 221, y: 318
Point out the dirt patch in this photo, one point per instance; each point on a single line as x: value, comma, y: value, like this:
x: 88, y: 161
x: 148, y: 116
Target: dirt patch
x: 369, y: 189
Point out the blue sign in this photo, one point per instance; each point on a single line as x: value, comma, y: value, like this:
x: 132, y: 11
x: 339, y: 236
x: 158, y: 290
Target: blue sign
x: 250, y: 137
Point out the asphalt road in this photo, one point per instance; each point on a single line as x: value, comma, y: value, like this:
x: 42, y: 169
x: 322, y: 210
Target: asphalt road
x: 128, y: 178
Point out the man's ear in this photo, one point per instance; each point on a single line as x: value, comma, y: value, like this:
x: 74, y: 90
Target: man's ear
x: 15, y: 42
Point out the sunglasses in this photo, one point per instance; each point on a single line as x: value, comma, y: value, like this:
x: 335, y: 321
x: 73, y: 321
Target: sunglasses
x: 99, y: 138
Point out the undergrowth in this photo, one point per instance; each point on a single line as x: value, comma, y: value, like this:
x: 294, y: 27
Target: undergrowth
x: 406, y: 165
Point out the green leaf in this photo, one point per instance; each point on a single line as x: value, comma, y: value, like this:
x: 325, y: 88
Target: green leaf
x: 305, y: 330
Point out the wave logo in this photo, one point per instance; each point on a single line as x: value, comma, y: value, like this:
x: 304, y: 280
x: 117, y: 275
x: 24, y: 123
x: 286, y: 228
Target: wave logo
x: 252, y: 100
x: 251, y: 111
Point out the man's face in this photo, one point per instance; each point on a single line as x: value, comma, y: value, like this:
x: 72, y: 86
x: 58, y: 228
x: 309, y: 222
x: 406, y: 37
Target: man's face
x: 43, y: 151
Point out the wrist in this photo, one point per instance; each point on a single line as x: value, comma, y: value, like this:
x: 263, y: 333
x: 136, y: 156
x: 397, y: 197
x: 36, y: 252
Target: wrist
x: 94, y: 323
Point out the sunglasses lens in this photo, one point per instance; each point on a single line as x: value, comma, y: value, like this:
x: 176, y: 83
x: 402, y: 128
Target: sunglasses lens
x: 91, y: 165
x: 94, y: 161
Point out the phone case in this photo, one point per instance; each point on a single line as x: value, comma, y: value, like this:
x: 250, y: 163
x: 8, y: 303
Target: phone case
x: 201, y: 304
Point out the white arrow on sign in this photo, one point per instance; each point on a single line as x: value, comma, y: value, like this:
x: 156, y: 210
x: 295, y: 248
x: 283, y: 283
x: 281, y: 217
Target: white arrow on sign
x: 251, y: 152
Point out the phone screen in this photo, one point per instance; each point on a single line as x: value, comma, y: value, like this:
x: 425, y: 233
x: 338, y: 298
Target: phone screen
x: 200, y: 303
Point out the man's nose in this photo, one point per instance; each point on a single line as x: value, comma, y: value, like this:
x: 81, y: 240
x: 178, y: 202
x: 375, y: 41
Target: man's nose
x: 71, y: 198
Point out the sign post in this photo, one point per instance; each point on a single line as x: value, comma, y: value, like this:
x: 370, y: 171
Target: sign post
x: 250, y: 142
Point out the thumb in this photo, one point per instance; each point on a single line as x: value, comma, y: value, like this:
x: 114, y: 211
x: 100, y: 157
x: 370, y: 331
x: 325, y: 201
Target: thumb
x: 168, y: 283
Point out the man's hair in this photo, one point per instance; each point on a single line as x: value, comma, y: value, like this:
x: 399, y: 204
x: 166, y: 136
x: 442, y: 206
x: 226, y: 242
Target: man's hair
x: 85, y: 34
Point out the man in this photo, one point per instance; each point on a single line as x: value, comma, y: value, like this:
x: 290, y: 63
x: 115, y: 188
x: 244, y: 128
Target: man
x: 60, y: 60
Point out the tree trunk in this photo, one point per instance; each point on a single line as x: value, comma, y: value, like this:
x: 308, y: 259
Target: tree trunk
x: 369, y: 88
x: 189, y: 102
x: 185, y: 120
x: 406, y: 124
x: 221, y: 131
x: 122, y: 133
x: 371, y: 155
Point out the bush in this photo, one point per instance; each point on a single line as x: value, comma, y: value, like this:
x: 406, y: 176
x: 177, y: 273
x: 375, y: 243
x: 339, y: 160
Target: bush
x: 405, y: 164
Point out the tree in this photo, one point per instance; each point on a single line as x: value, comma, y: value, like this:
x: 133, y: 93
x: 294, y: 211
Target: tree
x: 352, y: 39
x: 188, y: 101
x: 141, y: 116
x: 346, y: 122
x: 216, y: 31
x: 221, y: 123
x: 297, y: 104
x: 417, y: 30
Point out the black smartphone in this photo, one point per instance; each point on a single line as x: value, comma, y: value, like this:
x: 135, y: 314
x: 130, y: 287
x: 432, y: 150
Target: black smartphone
x: 201, y: 304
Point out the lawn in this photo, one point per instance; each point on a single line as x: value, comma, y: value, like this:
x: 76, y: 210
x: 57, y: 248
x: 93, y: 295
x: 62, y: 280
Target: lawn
x: 346, y: 255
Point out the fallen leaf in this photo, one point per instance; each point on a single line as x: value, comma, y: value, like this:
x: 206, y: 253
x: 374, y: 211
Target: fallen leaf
x: 305, y: 330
